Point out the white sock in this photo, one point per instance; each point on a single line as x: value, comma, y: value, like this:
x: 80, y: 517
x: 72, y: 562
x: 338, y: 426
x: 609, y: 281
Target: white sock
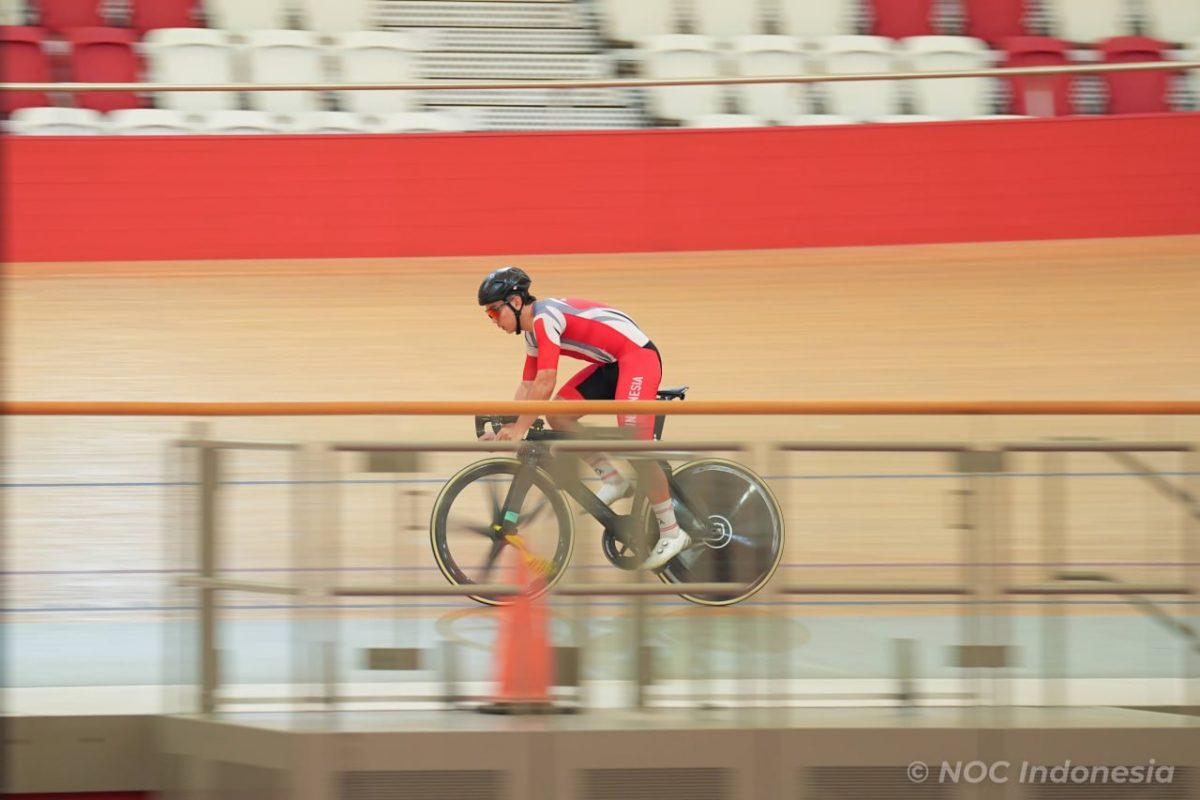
x: 605, y: 469
x: 664, y: 512
x: 613, y: 482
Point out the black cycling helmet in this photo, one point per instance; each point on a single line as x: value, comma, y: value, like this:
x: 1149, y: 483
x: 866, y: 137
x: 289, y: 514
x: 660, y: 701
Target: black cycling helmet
x: 504, y: 282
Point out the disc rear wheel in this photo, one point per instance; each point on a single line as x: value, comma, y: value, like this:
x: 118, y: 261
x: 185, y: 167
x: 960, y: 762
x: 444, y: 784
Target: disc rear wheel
x: 745, y: 542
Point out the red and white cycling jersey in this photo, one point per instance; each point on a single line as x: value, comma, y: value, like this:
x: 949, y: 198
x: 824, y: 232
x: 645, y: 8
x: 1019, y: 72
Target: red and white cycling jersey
x: 582, y: 329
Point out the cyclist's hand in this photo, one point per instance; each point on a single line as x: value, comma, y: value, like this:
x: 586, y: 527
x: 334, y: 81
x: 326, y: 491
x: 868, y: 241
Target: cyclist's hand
x: 488, y: 435
x: 509, y: 433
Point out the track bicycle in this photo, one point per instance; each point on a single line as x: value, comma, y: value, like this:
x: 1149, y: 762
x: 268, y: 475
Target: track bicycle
x: 520, y: 502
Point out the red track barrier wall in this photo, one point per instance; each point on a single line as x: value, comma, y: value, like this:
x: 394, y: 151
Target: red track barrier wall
x: 129, y: 198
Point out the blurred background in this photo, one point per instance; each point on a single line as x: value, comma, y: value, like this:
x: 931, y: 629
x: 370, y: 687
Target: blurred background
x: 224, y: 605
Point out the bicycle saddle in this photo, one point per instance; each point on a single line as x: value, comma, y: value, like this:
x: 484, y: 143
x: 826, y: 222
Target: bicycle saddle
x: 674, y: 393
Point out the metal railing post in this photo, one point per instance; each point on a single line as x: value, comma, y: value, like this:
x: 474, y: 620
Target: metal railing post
x: 209, y: 480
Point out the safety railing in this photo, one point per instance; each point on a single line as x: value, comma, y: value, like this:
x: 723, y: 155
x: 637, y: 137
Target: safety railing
x: 1000, y: 72
x: 983, y: 596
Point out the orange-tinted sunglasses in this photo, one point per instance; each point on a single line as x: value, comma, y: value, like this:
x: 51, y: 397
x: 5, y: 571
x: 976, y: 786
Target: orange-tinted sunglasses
x: 493, y: 312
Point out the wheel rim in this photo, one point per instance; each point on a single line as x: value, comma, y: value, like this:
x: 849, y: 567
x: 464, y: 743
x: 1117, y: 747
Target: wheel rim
x: 468, y: 548
x: 747, y: 539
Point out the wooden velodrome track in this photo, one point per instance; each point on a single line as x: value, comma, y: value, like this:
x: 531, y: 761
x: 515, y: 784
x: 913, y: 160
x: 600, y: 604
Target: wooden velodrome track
x: 1081, y: 320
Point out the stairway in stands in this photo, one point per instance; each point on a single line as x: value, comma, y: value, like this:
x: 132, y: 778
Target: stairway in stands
x: 502, y: 40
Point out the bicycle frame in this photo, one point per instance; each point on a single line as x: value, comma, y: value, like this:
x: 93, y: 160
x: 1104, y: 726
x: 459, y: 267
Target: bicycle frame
x: 689, y: 511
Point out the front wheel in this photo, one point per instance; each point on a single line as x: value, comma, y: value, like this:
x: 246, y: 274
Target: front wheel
x: 745, y: 540
x: 463, y: 529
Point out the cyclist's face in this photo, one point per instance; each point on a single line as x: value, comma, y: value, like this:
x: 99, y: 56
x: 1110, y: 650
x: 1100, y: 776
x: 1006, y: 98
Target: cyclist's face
x: 502, y: 315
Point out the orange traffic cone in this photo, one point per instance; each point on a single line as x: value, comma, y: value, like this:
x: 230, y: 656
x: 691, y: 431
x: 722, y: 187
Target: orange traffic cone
x: 523, y: 653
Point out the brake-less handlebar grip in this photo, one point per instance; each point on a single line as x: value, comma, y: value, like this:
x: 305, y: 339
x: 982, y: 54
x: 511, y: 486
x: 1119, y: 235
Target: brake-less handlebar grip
x: 497, y: 421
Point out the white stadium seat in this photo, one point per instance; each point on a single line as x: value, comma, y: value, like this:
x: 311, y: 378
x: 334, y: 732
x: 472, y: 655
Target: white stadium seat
x: 1090, y: 20
x: 859, y: 100
x: 818, y: 18
x: 335, y: 16
x: 908, y: 118
x: 683, y: 56
x: 240, y: 122
x: 12, y: 12
x: 818, y: 119
x: 240, y: 16
x: 422, y: 122
x: 284, y: 57
x: 724, y: 19
x: 727, y: 121
x: 53, y: 121
x: 376, y: 57
x: 949, y: 98
x: 635, y: 21
x: 770, y: 55
x: 1172, y: 20
x: 149, y: 122
x: 191, y: 55
x: 1192, y: 53
x: 332, y: 122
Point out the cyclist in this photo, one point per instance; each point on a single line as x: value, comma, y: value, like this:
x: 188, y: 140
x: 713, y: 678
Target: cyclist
x: 623, y: 364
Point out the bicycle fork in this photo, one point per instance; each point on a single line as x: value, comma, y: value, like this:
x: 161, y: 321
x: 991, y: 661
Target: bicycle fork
x: 506, y: 527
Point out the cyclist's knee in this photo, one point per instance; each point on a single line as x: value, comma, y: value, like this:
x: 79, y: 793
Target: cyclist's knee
x: 562, y: 422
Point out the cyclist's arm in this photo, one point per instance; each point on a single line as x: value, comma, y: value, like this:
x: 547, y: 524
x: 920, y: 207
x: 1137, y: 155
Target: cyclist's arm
x: 540, y: 376
x: 527, y: 376
x: 540, y: 388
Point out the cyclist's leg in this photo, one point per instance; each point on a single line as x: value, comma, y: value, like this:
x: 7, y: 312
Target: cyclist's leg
x: 593, y: 382
x: 587, y: 378
x: 639, y: 379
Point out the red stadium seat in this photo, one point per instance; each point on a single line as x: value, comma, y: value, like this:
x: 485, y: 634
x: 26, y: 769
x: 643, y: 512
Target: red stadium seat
x: 104, y: 55
x: 148, y: 15
x: 1039, y: 95
x: 900, y: 19
x: 22, y: 60
x: 59, y: 16
x: 995, y: 20
x: 1136, y: 92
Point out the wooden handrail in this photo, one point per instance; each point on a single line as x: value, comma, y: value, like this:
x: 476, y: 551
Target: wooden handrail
x: 84, y: 408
